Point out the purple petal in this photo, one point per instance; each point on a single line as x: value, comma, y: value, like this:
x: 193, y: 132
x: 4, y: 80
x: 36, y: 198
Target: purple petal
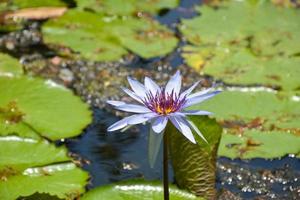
x: 174, y: 84
x: 132, y: 94
x: 196, y: 129
x: 183, y: 127
x: 141, y: 118
x: 188, y: 91
x: 133, y: 108
x: 115, y: 103
x: 159, y: 124
x: 196, y: 112
x: 137, y: 87
x: 199, y: 99
x: 151, y: 86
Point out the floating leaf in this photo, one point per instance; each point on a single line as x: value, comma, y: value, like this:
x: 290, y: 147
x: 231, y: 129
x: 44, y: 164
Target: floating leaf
x: 239, y: 44
x: 136, y: 190
x: 18, y: 153
x: 27, y: 167
x: 37, y: 3
x: 236, y: 21
x: 129, y: 7
x: 9, y: 66
x: 47, y: 108
x: 64, y: 180
x: 241, y: 66
x: 275, y: 110
x: 259, y: 144
x: 101, y: 37
x: 250, y: 113
x: 195, y: 164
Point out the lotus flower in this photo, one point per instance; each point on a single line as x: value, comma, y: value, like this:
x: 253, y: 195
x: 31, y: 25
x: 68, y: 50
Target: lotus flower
x: 158, y: 105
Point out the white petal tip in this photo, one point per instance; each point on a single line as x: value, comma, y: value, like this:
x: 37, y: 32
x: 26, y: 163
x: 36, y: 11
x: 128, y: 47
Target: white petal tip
x: 115, y: 103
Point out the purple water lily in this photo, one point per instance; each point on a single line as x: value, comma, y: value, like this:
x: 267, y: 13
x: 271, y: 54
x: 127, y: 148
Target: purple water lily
x: 160, y: 105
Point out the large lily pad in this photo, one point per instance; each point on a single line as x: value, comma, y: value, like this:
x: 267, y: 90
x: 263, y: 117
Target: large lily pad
x: 129, y: 7
x: 241, y: 66
x: 195, y: 164
x: 267, y: 109
x: 240, y: 44
x: 18, y: 153
x: 136, y: 190
x: 100, y: 37
x: 9, y: 66
x: 258, y: 119
x: 27, y: 167
x: 41, y: 107
x: 259, y: 144
x: 235, y: 21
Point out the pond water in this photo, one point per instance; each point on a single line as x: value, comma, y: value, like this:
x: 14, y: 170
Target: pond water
x: 112, y: 157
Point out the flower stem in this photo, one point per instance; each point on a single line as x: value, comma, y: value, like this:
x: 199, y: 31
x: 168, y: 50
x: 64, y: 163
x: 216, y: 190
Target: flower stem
x: 165, y: 173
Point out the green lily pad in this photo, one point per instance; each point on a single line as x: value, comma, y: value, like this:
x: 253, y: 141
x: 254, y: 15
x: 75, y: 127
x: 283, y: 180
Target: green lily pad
x: 241, y: 66
x: 63, y: 180
x: 9, y: 66
x: 37, y: 3
x: 18, y: 153
x: 41, y: 107
x: 239, y: 44
x: 259, y: 119
x: 100, y: 37
x: 207, y: 27
x: 129, y: 7
x: 195, y: 164
x: 269, y: 110
x: 259, y: 144
x: 136, y: 190
x: 29, y: 166
x: 236, y: 21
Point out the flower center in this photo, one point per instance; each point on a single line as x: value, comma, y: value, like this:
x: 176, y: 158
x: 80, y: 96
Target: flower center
x: 163, y: 103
